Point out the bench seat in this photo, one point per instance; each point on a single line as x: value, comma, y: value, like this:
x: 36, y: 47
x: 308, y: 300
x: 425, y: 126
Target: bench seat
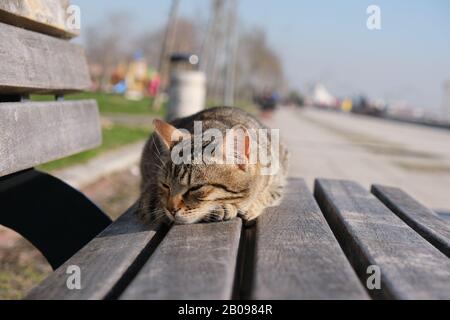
x: 310, y: 247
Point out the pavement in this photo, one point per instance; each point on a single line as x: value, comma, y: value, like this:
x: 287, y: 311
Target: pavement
x: 110, y: 162
x: 135, y: 120
x: 368, y: 150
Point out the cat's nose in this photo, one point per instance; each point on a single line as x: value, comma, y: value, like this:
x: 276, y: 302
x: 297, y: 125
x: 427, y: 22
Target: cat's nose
x: 174, y: 205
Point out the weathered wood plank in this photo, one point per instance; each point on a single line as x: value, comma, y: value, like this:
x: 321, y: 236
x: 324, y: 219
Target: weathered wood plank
x: 195, y: 262
x: 33, y: 62
x: 370, y: 234
x: 45, y: 16
x: 424, y: 221
x: 32, y: 133
x: 296, y: 254
x: 106, y: 263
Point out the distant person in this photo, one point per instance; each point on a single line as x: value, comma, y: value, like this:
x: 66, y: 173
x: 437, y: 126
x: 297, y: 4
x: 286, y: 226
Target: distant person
x: 267, y: 102
x: 153, y: 85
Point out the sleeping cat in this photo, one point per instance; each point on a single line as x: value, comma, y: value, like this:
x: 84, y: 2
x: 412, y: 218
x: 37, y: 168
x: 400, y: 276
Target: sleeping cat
x: 209, y: 190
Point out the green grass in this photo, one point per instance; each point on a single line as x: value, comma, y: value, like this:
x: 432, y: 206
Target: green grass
x: 16, y: 281
x: 113, y: 137
x: 110, y: 103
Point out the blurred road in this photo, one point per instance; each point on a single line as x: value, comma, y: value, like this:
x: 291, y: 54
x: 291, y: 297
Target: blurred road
x: 368, y: 150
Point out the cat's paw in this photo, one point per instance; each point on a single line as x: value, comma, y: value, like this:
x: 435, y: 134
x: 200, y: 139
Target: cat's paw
x: 225, y: 212
x: 275, y: 196
x: 250, y: 215
x: 230, y: 212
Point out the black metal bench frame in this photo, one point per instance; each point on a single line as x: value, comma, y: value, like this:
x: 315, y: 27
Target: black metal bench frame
x: 57, y: 219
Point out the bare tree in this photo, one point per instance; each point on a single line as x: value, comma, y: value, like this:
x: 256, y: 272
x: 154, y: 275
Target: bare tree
x: 186, y: 39
x: 107, y: 47
x: 259, y: 66
x: 151, y: 45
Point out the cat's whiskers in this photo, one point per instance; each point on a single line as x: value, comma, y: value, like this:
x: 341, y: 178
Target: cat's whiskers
x: 160, y: 160
x: 144, y: 207
x: 158, y: 219
x: 158, y: 211
x: 156, y: 147
x: 163, y: 169
x: 159, y: 215
x: 158, y: 153
x: 152, y: 208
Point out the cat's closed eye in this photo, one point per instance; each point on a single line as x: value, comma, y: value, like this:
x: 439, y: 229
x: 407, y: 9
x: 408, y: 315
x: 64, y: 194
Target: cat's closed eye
x: 164, y: 186
x: 198, y: 192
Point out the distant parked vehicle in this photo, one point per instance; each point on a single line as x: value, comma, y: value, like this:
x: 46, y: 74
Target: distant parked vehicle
x: 362, y: 105
x: 267, y: 101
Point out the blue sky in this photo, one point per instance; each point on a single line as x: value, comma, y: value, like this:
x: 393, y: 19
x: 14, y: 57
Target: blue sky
x: 327, y: 41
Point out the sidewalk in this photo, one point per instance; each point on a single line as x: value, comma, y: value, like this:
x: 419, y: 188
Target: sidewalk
x: 368, y: 150
x: 129, y: 119
x: 113, y: 161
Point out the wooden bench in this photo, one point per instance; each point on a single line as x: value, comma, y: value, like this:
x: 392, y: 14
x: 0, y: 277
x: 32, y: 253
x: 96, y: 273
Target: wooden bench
x: 36, y: 58
x: 310, y: 247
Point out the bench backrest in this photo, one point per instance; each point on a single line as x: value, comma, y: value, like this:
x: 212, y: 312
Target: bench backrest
x: 37, y: 58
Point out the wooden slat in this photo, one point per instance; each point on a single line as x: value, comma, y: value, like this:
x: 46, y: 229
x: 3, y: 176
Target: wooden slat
x: 32, y: 133
x: 45, y: 16
x: 33, y: 62
x: 193, y: 262
x: 105, y: 262
x: 370, y: 234
x: 297, y: 256
x: 424, y: 221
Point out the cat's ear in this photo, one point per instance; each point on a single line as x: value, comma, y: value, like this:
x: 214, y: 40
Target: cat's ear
x: 238, y: 144
x: 245, y: 151
x: 169, y: 134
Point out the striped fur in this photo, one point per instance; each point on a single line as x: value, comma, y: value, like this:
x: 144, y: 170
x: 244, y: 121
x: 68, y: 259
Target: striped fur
x: 206, y: 192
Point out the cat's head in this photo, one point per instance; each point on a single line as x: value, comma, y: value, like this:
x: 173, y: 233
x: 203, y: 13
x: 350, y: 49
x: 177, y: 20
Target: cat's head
x: 193, y: 191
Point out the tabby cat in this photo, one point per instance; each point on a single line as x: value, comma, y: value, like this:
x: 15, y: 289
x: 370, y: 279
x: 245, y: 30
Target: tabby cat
x: 207, y: 191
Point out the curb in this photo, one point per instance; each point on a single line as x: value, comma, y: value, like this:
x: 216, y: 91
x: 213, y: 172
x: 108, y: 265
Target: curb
x: 82, y: 175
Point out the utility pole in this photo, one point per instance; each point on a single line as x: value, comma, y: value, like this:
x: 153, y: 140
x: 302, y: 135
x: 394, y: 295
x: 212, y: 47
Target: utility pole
x: 213, y: 47
x: 208, y: 43
x: 232, y: 50
x: 167, y: 47
x: 219, y: 52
